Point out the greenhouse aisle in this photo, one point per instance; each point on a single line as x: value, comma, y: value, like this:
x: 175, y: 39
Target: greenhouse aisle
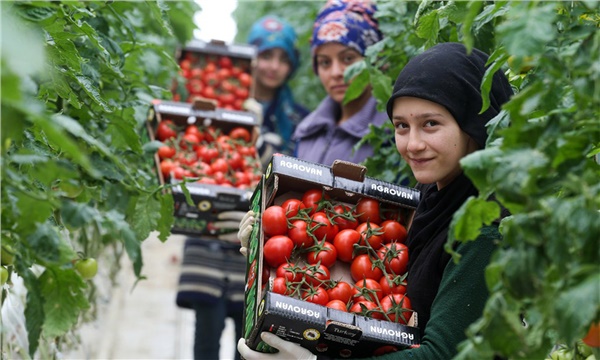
x: 143, y: 322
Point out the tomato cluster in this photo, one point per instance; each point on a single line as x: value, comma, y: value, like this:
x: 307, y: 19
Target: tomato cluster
x: 219, y: 77
x: 209, y: 154
x: 305, y: 237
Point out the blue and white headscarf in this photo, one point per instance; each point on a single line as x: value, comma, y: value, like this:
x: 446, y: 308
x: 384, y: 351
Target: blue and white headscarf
x: 348, y: 22
x: 271, y: 32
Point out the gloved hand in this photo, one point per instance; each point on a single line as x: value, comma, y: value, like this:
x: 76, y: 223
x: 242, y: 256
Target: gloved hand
x: 245, y: 230
x: 287, y: 349
x: 254, y: 106
x: 228, y: 225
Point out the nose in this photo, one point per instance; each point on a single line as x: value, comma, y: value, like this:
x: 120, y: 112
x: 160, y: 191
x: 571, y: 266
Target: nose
x: 415, y: 141
x: 337, y: 68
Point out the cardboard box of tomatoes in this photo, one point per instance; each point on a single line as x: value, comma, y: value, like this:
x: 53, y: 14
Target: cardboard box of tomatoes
x: 215, y: 70
x: 211, y: 150
x: 326, y: 260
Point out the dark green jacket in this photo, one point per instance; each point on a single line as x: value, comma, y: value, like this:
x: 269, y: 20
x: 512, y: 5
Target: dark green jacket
x: 459, y: 301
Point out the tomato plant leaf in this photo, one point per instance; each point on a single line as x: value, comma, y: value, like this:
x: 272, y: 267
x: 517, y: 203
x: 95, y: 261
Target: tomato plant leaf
x: 34, y: 307
x: 576, y: 306
x: 146, y: 215
x: 122, y: 132
x: 166, y: 220
x: 64, y: 297
x: 357, y: 86
x: 474, y: 213
x: 527, y: 28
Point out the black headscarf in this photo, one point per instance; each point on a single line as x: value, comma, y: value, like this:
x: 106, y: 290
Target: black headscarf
x: 446, y: 75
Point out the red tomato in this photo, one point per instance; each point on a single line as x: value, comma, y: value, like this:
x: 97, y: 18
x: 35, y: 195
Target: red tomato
x: 280, y: 286
x: 385, y: 349
x: 189, y: 141
x: 344, y: 243
x: 324, y: 252
x: 341, y: 291
x: 592, y: 338
x: 235, y: 160
x: 391, y: 284
x: 193, y: 129
x: 166, y: 129
x: 274, y: 221
x: 344, y: 217
x: 393, y: 231
x: 196, y: 73
x: 362, y: 268
x: 316, y: 295
x: 245, y: 79
x: 209, y: 92
x: 225, y: 62
x: 311, y: 200
x: 397, y: 307
x: 278, y: 250
x: 370, y: 233
x: 316, y: 275
x: 394, y: 257
x: 166, y: 152
x: 166, y: 166
x: 367, y: 289
x: 321, y: 227
x: 241, y: 93
x: 290, y: 271
x: 219, y: 165
x: 185, y: 64
x: 225, y: 99
x: 299, y: 234
x: 367, y: 308
x: 367, y: 209
x: 240, y: 133
x: 291, y: 207
x: 337, y: 304
x: 207, y: 153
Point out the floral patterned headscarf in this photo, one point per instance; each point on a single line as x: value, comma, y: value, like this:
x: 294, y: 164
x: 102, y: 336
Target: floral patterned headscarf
x: 348, y: 22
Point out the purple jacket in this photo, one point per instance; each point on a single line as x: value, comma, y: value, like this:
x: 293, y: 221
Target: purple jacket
x: 319, y: 139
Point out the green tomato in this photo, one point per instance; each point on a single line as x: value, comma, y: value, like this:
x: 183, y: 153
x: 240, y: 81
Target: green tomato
x: 7, y: 255
x: 87, y: 268
x: 3, y: 275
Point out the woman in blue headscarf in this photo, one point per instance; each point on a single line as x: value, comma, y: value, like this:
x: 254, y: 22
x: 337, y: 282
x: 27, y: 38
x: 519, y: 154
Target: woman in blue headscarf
x: 277, y: 61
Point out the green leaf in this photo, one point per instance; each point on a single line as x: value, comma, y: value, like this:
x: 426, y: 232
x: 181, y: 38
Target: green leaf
x: 356, y: 87
x: 577, y: 306
x: 63, y: 290
x: 528, y: 28
x: 34, y: 308
x: 166, y: 220
x: 92, y: 91
x: 429, y: 26
x: 122, y: 132
x: 77, y: 215
x: 472, y: 215
x: 32, y: 212
x: 146, y: 215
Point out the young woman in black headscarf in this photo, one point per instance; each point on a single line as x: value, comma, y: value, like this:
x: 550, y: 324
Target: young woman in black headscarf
x: 435, y: 109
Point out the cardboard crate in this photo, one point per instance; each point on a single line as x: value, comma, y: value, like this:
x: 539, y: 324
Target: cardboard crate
x: 318, y: 328
x: 196, y: 59
x: 208, y: 199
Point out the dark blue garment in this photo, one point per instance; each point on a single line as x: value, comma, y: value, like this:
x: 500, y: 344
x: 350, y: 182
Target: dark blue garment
x: 210, y: 323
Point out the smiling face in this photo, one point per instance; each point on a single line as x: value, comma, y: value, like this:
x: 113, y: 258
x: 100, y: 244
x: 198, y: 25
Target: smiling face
x: 272, y: 68
x: 430, y: 140
x: 332, y: 59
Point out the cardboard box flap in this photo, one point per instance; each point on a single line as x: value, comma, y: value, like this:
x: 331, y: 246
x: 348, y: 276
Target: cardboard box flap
x: 221, y: 48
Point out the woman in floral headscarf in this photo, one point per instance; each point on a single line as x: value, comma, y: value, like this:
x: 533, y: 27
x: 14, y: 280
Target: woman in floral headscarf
x: 342, y: 32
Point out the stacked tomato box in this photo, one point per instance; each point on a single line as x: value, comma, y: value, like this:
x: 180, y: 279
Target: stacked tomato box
x: 217, y: 71
x: 326, y: 260
x: 212, y: 149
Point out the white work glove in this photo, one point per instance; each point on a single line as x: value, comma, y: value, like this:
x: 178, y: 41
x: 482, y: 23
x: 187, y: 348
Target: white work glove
x: 287, y: 349
x: 245, y: 230
x: 254, y: 106
x: 228, y: 225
